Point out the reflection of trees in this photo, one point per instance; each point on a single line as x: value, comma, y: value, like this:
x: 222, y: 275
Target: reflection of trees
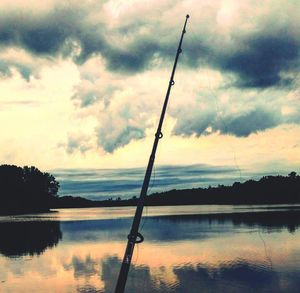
x: 28, y: 238
x: 289, y: 219
x: 282, y: 219
x: 181, y: 227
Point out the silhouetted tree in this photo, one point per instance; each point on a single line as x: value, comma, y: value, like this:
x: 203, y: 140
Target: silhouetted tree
x: 293, y: 175
x: 25, y: 189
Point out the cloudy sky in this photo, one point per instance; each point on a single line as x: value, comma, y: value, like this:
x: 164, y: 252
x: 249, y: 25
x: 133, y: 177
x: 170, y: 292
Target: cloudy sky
x: 82, y: 83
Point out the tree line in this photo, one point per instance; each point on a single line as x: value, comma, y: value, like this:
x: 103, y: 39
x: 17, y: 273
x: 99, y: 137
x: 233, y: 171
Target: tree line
x: 28, y: 189
x: 268, y: 190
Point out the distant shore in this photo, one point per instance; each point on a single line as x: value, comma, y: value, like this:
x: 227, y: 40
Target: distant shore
x: 268, y: 190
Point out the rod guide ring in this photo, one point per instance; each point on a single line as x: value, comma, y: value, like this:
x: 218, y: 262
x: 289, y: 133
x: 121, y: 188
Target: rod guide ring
x: 139, y: 238
x: 159, y: 134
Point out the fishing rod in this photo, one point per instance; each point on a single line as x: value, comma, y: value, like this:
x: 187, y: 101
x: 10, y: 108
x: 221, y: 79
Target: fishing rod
x: 134, y: 236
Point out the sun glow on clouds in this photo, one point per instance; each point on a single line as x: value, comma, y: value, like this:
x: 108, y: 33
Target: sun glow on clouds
x: 89, y: 94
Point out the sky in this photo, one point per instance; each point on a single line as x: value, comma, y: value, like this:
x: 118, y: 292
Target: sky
x: 98, y: 184
x: 82, y: 83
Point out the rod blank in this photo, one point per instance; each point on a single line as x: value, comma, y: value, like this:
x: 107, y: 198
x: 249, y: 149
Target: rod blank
x: 134, y: 236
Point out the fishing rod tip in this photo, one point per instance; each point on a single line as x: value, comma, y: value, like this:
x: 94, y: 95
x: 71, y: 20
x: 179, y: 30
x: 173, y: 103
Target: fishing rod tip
x: 187, y: 16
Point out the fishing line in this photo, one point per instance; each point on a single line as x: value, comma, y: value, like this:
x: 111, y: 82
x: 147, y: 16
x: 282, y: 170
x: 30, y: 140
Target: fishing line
x: 146, y: 207
x: 220, y: 116
x: 221, y: 119
x: 216, y: 104
x: 267, y: 255
x: 152, y: 181
x: 137, y: 254
x: 294, y: 81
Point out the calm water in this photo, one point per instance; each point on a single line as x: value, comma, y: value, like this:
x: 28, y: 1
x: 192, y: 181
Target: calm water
x: 186, y: 249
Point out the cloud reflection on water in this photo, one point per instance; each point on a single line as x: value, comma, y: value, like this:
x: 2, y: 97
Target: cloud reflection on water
x: 234, y: 276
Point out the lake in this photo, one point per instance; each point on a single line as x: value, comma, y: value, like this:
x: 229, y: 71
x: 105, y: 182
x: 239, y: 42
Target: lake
x: 186, y: 249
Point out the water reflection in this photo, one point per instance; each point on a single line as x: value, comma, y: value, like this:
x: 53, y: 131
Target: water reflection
x: 289, y: 219
x: 217, y: 252
x: 85, y: 267
x: 181, y: 227
x: 28, y: 238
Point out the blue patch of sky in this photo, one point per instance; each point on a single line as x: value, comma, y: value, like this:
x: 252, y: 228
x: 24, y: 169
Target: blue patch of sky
x: 99, y: 184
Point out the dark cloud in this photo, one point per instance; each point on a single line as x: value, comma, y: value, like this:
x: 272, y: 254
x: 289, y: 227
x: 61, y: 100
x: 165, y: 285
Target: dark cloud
x: 257, y: 59
x: 43, y: 35
x: 193, y: 122
x: 110, y: 140
x: 134, y: 58
x: 61, y: 31
x: 260, y: 59
x: 53, y: 33
x: 247, y: 123
x: 238, y: 124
